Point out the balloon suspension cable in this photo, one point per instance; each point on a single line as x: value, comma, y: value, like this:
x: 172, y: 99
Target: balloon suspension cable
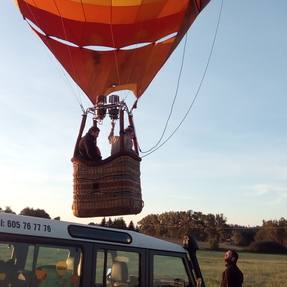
x: 199, y: 87
x: 173, y: 102
x: 34, y: 25
x: 82, y: 108
x: 134, y: 106
x: 75, y: 71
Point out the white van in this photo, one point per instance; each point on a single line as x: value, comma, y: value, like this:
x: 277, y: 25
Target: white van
x: 36, y: 252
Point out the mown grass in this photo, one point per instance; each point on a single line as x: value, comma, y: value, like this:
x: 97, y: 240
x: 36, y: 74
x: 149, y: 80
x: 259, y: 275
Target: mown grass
x: 260, y: 270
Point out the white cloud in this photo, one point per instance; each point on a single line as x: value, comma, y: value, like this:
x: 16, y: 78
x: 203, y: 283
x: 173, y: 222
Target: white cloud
x: 276, y: 193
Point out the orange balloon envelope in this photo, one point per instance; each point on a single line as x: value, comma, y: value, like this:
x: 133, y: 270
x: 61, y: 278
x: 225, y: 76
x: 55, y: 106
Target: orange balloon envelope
x: 111, y: 45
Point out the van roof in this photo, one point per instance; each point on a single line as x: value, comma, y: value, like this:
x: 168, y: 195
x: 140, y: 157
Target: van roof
x: 34, y: 226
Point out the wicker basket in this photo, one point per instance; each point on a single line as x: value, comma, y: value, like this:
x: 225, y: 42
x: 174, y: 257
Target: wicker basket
x: 110, y: 187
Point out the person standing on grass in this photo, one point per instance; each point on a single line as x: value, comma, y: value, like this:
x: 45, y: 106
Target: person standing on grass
x: 232, y: 275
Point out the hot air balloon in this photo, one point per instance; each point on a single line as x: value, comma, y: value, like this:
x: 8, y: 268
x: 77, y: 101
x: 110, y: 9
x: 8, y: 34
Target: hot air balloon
x: 108, y: 46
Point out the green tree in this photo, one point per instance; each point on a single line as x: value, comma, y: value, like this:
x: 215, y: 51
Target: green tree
x: 273, y: 230
x: 150, y: 224
x: 109, y: 223
x: 243, y: 236
x: 215, y: 226
x: 175, y: 225
x: 35, y: 212
x: 119, y: 223
x: 103, y: 222
x: 8, y: 210
x: 131, y: 226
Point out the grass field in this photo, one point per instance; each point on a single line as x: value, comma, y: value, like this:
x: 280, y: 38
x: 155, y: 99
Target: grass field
x: 260, y: 270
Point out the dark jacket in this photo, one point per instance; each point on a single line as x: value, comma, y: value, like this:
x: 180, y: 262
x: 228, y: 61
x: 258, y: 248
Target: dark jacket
x: 232, y: 276
x: 88, y: 149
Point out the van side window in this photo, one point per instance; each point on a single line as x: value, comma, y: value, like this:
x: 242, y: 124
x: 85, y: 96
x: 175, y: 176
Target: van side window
x: 35, y: 265
x: 122, y: 268
x: 58, y: 266
x: 169, y: 271
x: 16, y: 260
x: 6, y: 251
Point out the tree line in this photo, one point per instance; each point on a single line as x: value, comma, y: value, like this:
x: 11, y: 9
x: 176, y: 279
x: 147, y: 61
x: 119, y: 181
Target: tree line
x: 117, y: 223
x: 29, y: 212
x: 271, y: 236
x: 213, y: 229
x: 175, y: 224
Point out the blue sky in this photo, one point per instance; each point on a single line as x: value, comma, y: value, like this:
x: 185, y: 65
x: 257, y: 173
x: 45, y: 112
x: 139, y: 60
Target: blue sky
x: 228, y: 157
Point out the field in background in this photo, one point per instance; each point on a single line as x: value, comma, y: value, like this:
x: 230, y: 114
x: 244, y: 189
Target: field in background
x: 260, y: 270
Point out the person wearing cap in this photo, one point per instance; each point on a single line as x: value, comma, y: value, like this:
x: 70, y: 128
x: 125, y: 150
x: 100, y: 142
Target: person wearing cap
x: 232, y: 275
x: 116, y: 143
x: 88, y: 148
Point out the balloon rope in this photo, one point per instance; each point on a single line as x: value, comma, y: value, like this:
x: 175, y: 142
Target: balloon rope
x: 66, y: 38
x: 199, y: 87
x: 69, y: 50
x: 114, y: 46
x: 83, y: 11
x: 138, y: 40
x: 174, y: 99
x: 75, y: 94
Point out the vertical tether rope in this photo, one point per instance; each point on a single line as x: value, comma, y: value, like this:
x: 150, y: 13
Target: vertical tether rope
x: 174, y: 99
x: 77, y: 97
x: 115, y: 49
x: 69, y: 50
x: 199, y: 87
x: 141, y: 23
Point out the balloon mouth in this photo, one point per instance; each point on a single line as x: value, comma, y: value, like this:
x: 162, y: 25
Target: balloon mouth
x: 99, y: 48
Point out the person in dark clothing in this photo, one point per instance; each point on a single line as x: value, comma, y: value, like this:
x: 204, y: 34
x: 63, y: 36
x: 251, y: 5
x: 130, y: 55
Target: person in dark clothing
x: 88, y: 148
x: 232, y: 276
